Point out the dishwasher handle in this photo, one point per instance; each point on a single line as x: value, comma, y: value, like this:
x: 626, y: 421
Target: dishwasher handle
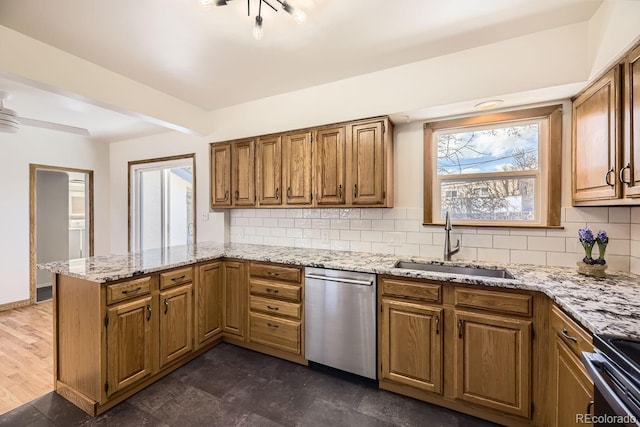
x: 340, y: 280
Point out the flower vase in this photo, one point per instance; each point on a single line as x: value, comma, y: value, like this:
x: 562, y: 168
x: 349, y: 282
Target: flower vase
x: 595, y: 270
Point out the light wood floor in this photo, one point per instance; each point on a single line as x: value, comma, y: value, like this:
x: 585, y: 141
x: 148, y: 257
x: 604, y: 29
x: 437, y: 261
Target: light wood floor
x: 26, y: 354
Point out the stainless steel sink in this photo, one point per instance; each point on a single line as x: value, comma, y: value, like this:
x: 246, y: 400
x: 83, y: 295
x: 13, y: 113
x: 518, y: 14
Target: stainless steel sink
x: 455, y: 269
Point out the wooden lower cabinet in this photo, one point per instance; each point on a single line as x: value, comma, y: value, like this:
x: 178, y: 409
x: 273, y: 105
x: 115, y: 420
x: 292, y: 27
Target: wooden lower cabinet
x: 129, y: 344
x: 176, y: 323
x: 208, y: 302
x: 234, y: 299
x: 411, y: 343
x: 493, y: 362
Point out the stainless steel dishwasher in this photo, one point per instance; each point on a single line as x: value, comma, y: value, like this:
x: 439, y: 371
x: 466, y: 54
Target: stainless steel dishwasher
x: 340, y: 320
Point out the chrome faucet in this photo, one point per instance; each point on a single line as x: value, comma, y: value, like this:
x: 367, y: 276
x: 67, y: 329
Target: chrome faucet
x: 447, y: 239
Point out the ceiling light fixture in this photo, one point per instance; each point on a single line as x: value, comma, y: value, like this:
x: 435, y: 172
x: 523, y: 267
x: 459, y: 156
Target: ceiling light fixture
x: 258, y: 33
x: 487, y: 105
x: 8, y: 120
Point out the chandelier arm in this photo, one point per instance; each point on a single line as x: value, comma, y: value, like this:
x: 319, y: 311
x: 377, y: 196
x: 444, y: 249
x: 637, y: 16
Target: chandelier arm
x: 248, y: 7
x: 269, y: 4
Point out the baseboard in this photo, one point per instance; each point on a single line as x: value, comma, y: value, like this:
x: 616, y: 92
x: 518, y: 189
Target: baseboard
x: 15, y: 304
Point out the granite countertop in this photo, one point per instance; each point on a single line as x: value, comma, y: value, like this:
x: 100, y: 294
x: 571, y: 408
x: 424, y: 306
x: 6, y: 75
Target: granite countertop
x: 609, y: 305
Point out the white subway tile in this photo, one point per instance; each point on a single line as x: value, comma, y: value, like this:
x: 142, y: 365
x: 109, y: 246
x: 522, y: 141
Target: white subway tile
x: 634, y: 265
x: 635, y: 215
x: 570, y: 230
x: 467, y: 230
x: 278, y: 213
x: 270, y: 222
x: 393, y: 237
x: 394, y: 213
x: 279, y: 232
x: 321, y: 244
x: 311, y: 213
x: 349, y: 213
x: 529, y: 257
x: 372, y: 213
x: 528, y: 232
x: 635, y: 248
x: 236, y: 231
x: 382, y: 224
x: 349, y: 235
x: 431, y: 229
x: 255, y: 240
x: 302, y: 243
x: 321, y: 223
x: 467, y: 254
x: 615, y: 247
x: 263, y: 213
x: 248, y: 213
x: 256, y: 222
x: 634, y: 231
x: 340, y: 245
x: 330, y: 213
x: 382, y: 248
x: 596, y: 214
x: 548, y: 244
x: 286, y: 222
x: 510, y: 242
x: 494, y: 255
x: 420, y: 238
x: 285, y: 241
x: 620, y: 214
x: 294, y: 232
x: 294, y: 213
x: 271, y: 241
x: 361, y: 246
x: 476, y: 240
x: 371, y: 236
x: 263, y: 231
x: 249, y: 231
x: 334, y: 234
x: 493, y: 231
x: 431, y: 251
x: 415, y: 213
x: 563, y: 214
x: 438, y: 238
x: 556, y: 259
x: 302, y: 222
x: 573, y: 245
x: 618, y: 263
x: 239, y: 221
x: 614, y: 231
x: 360, y: 224
x: 311, y: 233
x: 406, y: 225
x: 407, y: 250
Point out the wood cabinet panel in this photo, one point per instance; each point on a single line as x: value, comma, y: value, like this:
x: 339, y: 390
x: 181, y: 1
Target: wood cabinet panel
x: 565, y: 329
x: 275, y: 332
x: 129, y: 343
x: 209, y: 297
x: 277, y: 272
x: 493, y: 362
x: 269, y: 170
x: 275, y: 307
x: 411, y: 342
x: 275, y: 290
x: 366, y: 160
x: 127, y: 290
x: 296, y: 168
x: 329, y: 158
x: 234, y: 309
x: 176, y: 323
x: 630, y: 175
x: 497, y: 301
x: 243, y: 173
x: 176, y: 277
x: 411, y: 289
x: 220, y: 175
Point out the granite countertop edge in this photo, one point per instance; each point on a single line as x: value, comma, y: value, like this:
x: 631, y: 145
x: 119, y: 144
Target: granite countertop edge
x: 606, y: 305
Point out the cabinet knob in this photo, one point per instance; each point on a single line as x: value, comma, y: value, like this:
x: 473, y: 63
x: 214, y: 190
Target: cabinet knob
x: 226, y: 195
x: 459, y: 328
x: 437, y: 325
x: 289, y: 192
x: 606, y: 177
x: 148, y: 311
x: 278, y: 193
x: 621, y: 176
x: 237, y: 194
x: 166, y: 306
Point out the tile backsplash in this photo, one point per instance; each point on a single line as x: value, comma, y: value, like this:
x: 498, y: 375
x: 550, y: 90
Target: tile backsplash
x: 400, y: 231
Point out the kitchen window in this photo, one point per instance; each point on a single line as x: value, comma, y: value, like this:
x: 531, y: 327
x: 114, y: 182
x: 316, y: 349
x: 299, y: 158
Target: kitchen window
x: 499, y: 169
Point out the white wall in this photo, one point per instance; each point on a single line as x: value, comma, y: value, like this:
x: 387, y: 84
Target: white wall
x: 635, y: 240
x: 51, y: 148
x: 167, y: 144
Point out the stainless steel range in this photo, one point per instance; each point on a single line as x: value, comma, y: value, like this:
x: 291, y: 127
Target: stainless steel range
x: 615, y: 371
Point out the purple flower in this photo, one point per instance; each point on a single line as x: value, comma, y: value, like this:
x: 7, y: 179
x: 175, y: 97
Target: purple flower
x: 586, y: 236
x: 602, y: 237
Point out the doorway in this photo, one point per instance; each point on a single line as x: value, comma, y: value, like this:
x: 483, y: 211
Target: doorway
x: 61, y: 221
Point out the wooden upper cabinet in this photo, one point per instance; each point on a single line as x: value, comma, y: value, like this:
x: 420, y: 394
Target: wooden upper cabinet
x: 220, y: 175
x: 329, y: 158
x: 595, y: 140
x: 268, y: 170
x: 242, y: 173
x: 369, y: 172
x: 630, y: 172
x: 296, y: 168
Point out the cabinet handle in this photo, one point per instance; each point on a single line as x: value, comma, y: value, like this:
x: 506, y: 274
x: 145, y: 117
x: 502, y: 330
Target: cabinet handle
x: 606, y: 177
x: 148, y: 311
x: 166, y: 306
x: 278, y: 193
x: 589, y: 407
x: 437, y: 325
x: 175, y: 279
x: 355, y: 191
x: 628, y: 183
x: 237, y: 195
x: 131, y: 291
x: 289, y: 192
x: 226, y: 195
x: 566, y: 335
x: 275, y: 291
x: 340, y: 191
x: 459, y: 328
x: 271, y: 273
x: 273, y: 308
x: 272, y: 326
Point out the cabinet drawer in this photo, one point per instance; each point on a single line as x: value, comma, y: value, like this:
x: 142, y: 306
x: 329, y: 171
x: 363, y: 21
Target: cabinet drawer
x: 126, y: 290
x: 275, y: 290
x: 274, y: 332
x: 276, y: 272
x: 576, y: 338
x: 404, y: 288
x: 176, y: 277
x: 274, y: 307
x: 496, y: 301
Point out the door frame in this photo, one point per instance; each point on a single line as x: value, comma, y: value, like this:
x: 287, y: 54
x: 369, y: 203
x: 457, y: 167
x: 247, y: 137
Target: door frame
x: 191, y: 156
x: 33, y: 168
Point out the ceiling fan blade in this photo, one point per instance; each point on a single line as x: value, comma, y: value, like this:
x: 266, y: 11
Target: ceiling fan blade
x: 53, y: 126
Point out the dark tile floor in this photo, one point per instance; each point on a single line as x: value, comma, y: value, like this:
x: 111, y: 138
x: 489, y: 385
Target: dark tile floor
x: 232, y: 386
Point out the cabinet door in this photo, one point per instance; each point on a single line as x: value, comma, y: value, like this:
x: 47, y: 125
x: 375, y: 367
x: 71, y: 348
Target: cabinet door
x: 329, y: 157
x: 129, y: 344
x: 367, y: 164
x: 493, y: 362
x: 296, y: 168
x: 572, y: 385
x: 234, y: 309
x: 268, y: 170
x: 209, y: 301
x: 220, y: 175
x: 176, y: 323
x: 631, y: 173
x: 411, y: 342
x: 596, y: 140
x: 242, y: 173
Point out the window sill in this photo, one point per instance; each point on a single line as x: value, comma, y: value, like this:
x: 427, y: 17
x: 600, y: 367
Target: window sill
x: 537, y: 227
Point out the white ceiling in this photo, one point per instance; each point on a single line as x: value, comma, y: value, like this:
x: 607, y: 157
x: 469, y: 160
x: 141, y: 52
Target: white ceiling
x: 208, y: 57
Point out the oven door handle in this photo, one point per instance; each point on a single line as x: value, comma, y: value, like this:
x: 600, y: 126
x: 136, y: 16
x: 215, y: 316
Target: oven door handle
x: 592, y: 362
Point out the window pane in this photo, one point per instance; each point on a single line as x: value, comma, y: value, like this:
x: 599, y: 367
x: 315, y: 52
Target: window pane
x: 180, y: 206
x: 502, y: 149
x: 150, y: 216
x: 507, y: 199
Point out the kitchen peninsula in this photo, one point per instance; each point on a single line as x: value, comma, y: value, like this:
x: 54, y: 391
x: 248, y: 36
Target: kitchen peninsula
x: 123, y: 321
